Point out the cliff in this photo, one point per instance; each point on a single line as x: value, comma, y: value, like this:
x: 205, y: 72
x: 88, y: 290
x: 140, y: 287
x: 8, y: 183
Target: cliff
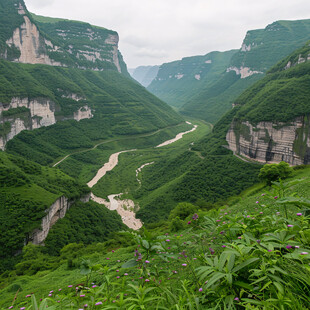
x: 270, y: 120
x: 176, y: 82
x: 260, y: 50
x: 269, y: 142
x: 58, y: 42
x: 55, y: 212
x: 27, y: 114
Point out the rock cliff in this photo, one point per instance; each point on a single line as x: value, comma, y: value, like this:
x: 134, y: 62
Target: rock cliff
x: 56, y: 211
x: 268, y: 142
x: 37, y: 113
x: 59, y: 42
x: 33, y: 47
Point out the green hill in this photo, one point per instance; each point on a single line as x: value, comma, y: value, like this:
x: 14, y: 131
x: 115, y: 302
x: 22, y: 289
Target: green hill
x: 119, y: 106
x: 261, y: 49
x: 27, y: 190
x: 29, y: 38
x: 178, y: 81
x: 250, y: 254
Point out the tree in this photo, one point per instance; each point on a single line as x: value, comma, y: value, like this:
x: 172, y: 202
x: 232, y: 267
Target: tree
x: 273, y: 172
x: 183, y: 210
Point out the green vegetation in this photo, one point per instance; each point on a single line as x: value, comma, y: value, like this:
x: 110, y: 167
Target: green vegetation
x: 178, y: 173
x: 273, y: 172
x: 279, y: 97
x: 26, y: 191
x: 267, y: 47
x: 120, y: 107
x: 83, y: 165
x: 15, y: 111
x: 10, y: 20
x: 250, y: 254
x: 75, y: 37
x: 178, y: 81
x: 84, y: 223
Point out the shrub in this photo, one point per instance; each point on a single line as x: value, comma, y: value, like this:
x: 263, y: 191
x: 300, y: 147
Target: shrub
x: 274, y: 172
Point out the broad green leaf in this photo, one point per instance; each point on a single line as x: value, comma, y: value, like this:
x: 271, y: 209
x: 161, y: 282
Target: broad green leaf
x: 130, y: 263
x: 216, y: 277
x: 246, y: 263
x: 279, y: 286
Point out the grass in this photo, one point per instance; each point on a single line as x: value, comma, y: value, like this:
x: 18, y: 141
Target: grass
x: 195, y: 242
x: 122, y: 179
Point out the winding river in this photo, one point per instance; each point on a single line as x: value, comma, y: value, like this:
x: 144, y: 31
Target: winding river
x: 126, y: 208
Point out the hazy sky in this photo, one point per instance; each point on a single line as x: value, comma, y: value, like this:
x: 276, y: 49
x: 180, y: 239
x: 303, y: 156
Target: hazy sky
x: 157, y: 31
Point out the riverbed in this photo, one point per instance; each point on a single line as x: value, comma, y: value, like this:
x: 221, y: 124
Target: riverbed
x: 126, y: 208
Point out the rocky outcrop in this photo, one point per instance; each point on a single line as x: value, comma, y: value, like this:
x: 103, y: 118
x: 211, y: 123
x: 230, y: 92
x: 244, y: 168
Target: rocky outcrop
x: 268, y: 142
x: 244, y: 72
x: 55, y: 212
x: 32, y: 46
x: 41, y: 112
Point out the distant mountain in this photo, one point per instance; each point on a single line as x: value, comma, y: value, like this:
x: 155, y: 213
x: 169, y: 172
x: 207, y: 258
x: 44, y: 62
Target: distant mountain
x: 261, y: 49
x: 144, y: 74
x: 178, y: 81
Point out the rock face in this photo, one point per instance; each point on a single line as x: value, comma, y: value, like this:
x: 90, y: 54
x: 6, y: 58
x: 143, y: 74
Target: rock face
x: 38, y: 113
x: 56, y: 211
x: 268, y: 142
x: 62, y: 43
x: 244, y: 72
x: 31, y: 44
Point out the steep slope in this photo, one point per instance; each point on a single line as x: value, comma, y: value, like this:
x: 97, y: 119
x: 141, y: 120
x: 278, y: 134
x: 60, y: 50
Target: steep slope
x: 178, y: 81
x: 28, y: 38
x: 38, y: 90
x: 260, y: 50
x: 144, y: 74
x: 27, y: 190
x: 115, y: 104
x: 271, y: 119
x: 89, y: 47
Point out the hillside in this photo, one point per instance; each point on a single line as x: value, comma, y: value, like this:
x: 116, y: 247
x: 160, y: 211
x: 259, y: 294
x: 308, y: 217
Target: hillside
x: 235, y: 256
x: 144, y: 74
x: 27, y: 190
x: 178, y: 81
x: 261, y: 49
x: 271, y: 119
x: 107, y: 101
x: 27, y: 38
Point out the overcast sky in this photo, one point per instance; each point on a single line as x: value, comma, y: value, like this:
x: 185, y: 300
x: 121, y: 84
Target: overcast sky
x: 157, y: 31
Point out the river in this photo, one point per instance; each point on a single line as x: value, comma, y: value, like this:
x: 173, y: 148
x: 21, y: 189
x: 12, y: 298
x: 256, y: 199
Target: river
x: 126, y: 208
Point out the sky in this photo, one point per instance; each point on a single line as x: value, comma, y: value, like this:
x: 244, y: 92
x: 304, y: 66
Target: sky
x: 153, y: 32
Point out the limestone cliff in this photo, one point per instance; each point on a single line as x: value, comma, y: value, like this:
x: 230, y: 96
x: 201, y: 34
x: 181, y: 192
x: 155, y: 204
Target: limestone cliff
x: 55, y: 212
x: 269, y: 142
x: 33, y: 47
x: 37, y: 113
x: 59, y: 42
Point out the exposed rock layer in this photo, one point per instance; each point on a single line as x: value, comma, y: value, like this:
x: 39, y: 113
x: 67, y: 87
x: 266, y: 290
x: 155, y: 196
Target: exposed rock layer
x: 41, y: 113
x: 56, y: 211
x: 268, y: 142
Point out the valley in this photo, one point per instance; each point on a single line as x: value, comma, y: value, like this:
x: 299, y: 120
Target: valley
x: 185, y: 189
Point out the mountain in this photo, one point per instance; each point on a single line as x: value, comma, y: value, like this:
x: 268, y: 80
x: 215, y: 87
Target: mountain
x: 261, y: 49
x: 178, y: 81
x: 271, y: 119
x: 27, y: 38
x: 59, y: 70
x: 144, y: 74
